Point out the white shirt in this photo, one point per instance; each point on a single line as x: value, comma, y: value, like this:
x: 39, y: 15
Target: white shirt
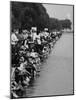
x: 25, y: 36
x: 46, y: 34
x: 54, y: 33
x: 39, y: 41
x: 25, y: 44
x: 14, y: 38
x: 34, y: 35
x: 22, y: 66
x: 41, y: 34
x: 33, y: 54
x: 13, y: 74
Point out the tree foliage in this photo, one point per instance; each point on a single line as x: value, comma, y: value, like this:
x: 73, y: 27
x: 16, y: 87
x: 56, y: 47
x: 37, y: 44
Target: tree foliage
x: 66, y: 24
x: 26, y: 15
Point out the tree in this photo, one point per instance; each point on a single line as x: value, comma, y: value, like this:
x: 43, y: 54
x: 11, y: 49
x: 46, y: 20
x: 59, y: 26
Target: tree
x: 25, y: 15
x: 55, y: 24
x: 29, y: 14
x: 66, y: 24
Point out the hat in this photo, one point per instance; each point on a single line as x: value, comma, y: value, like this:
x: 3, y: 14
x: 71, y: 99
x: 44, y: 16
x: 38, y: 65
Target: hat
x: 46, y: 29
x: 25, y: 31
x: 34, y: 28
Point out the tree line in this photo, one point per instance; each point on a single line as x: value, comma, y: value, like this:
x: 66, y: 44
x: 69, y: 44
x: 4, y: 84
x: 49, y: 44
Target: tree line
x: 25, y: 15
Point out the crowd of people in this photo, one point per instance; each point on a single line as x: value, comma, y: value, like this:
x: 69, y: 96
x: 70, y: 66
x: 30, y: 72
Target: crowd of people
x: 29, y: 49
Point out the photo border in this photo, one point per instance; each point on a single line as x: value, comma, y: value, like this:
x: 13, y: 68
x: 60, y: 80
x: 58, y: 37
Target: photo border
x: 73, y: 48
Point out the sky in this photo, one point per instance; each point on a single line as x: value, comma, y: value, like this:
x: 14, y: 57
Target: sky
x: 60, y: 11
